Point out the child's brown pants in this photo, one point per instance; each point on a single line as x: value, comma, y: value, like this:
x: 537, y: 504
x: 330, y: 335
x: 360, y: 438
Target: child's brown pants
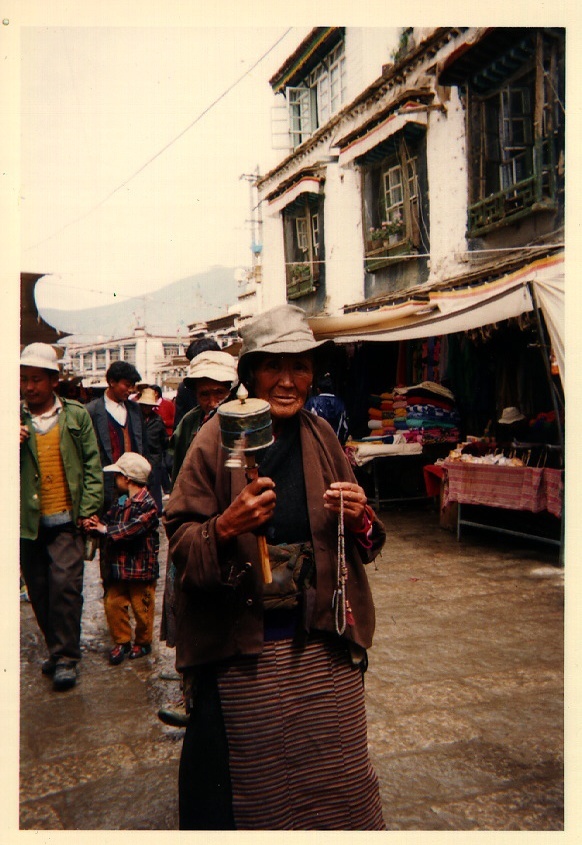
x: 118, y: 598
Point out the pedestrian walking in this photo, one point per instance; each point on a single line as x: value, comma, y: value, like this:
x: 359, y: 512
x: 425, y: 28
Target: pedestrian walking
x: 119, y: 427
x: 167, y: 411
x: 165, y: 408
x: 326, y: 404
x: 185, y: 399
x: 211, y: 376
x: 130, y: 529
x: 277, y: 731
x: 157, y: 442
x: 61, y: 488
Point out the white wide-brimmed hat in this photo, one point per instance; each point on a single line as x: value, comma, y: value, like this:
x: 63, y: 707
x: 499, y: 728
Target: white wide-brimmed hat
x: 41, y: 355
x: 218, y: 366
x: 510, y: 415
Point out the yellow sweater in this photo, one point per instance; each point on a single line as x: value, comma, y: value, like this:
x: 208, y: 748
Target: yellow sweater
x: 54, y: 490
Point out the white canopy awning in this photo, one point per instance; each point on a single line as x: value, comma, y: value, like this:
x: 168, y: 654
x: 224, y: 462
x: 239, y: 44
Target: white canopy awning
x: 456, y: 309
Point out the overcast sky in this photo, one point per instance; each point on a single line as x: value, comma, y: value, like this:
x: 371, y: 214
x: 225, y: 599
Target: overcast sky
x: 105, y: 87
x: 97, y: 104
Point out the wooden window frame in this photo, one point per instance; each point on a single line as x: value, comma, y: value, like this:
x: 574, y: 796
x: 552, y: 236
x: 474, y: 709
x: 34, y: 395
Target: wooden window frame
x: 303, y: 247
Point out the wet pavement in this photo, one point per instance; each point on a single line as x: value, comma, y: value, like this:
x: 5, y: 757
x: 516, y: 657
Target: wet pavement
x: 464, y: 694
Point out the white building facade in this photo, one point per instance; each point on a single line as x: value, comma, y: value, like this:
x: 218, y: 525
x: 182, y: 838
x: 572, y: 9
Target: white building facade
x: 416, y: 157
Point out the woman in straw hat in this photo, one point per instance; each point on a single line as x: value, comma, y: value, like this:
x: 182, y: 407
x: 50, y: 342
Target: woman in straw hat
x: 277, y: 731
x: 157, y: 441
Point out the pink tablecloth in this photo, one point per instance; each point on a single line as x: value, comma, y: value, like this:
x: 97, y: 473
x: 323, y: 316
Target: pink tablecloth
x: 518, y: 488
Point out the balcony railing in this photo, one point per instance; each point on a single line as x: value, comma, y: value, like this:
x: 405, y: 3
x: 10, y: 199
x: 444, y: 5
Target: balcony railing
x: 301, y: 280
x: 383, y: 253
x: 535, y: 193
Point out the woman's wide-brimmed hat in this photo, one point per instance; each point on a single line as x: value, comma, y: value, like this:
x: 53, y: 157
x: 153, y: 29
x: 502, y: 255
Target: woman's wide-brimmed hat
x: 282, y: 330
x: 510, y: 415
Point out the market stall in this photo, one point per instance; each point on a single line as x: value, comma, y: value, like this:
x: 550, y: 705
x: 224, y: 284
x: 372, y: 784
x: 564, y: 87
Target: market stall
x: 374, y: 455
x: 507, y: 487
x: 485, y: 346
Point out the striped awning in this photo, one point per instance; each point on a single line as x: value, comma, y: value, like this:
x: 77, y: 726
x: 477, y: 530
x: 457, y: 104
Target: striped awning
x: 303, y: 185
x: 410, y: 113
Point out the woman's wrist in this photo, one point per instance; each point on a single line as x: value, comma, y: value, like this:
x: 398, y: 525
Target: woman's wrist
x: 221, y: 530
x: 365, y: 523
x: 363, y: 531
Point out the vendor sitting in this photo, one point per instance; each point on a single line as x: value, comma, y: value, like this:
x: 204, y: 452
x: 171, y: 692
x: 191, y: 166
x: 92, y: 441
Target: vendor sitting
x: 512, y: 426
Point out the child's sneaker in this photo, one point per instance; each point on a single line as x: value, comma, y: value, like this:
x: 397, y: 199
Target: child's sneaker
x: 118, y: 652
x: 139, y: 651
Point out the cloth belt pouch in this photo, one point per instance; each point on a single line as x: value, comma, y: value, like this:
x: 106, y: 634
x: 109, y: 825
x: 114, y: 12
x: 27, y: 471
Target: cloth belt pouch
x: 293, y: 570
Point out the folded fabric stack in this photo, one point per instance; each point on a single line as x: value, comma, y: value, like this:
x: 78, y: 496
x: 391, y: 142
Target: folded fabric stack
x: 381, y: 415
x: 426, y: 413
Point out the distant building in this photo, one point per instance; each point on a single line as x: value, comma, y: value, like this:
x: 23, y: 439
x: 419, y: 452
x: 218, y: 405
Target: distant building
x: 223, y: 329
x: 148, y: 353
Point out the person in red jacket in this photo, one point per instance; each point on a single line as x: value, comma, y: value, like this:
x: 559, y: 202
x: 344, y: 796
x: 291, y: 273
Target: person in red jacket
x: 165, y: 408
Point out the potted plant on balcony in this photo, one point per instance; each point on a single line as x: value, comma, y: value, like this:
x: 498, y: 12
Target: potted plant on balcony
x: 394, y: 229
x: 388, y: 233
x: 300, y: 272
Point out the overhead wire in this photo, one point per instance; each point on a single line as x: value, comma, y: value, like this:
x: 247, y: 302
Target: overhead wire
x: 163, y: 149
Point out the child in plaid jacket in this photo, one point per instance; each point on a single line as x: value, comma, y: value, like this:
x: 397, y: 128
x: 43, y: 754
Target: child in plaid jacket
x: 130, y: 528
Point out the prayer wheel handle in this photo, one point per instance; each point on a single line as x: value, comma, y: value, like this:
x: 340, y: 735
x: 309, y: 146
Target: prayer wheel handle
x: 252, y: 473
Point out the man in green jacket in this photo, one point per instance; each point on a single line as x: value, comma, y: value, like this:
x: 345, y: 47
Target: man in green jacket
x: 61, y: 486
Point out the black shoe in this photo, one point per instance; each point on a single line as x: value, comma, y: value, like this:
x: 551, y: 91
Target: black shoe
x: 65, y: 675
x: 48, y: 667
x: 118, y: 652
x: 139, y: 651
x: 174, y: 718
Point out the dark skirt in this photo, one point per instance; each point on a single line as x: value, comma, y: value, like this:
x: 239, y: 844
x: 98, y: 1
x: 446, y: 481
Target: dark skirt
x: 295, y: 739
x: 168, y: 622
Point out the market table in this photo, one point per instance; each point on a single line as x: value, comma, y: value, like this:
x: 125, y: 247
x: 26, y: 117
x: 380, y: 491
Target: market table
x: 515, y: 488
x: 377, y: 453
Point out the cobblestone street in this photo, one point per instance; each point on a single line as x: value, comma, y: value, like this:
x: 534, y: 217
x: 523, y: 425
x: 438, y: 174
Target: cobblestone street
x: 464, y: 692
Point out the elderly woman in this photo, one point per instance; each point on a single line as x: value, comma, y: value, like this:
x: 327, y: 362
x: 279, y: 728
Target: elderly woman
x: 277, y: 732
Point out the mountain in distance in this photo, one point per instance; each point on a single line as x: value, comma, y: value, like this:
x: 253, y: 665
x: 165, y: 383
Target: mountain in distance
x: 167, y: 311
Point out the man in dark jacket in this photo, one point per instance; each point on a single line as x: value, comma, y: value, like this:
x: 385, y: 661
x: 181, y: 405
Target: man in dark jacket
x: 119, y: 427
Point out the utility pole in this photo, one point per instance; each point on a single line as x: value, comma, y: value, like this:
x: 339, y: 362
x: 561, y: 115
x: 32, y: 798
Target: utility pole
x: 256, y: 218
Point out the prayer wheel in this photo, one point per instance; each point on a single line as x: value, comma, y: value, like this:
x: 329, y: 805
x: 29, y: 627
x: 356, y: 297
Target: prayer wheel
x: 245, y: 427
x: 245, y: 424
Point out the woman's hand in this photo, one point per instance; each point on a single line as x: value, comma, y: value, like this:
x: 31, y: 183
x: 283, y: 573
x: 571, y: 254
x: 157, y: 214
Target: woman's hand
x: 24, y: 433
x: 253, y: 506
x: 355, y: 500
